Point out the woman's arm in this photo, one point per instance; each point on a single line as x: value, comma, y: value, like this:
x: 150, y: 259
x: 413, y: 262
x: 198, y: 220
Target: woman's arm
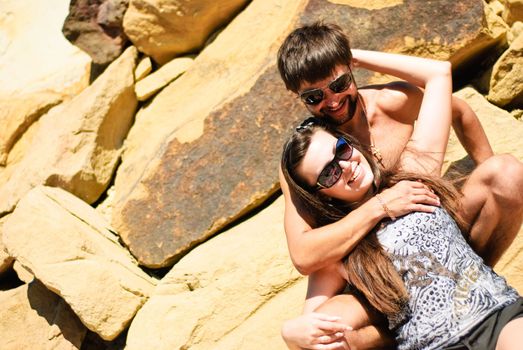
x: 332, y: 321
x: 312, y: 330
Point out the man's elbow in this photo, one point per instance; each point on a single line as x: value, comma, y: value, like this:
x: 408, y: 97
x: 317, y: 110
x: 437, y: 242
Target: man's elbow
x: 303, y: 265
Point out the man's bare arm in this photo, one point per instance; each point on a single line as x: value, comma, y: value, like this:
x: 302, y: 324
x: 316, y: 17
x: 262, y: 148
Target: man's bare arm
x: 312, y: 249
x: 469, y: 131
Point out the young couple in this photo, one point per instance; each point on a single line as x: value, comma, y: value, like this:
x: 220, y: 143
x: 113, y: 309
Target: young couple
x: 370, y: 161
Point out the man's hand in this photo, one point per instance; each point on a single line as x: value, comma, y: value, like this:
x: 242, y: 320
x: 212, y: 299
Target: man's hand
x: 315, y: 331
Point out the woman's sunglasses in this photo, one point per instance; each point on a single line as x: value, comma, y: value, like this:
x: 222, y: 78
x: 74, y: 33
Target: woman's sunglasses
x: 340, y: 84
x: 332, y: 171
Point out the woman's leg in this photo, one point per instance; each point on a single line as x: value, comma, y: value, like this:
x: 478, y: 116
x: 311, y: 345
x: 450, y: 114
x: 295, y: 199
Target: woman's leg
x: 511, y: 337
x: 369, y: 328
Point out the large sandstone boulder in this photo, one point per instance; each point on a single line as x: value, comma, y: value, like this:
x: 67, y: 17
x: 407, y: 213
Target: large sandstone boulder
x: 35, y: 318
x: 218, y: 129
x: 69, y: 247
x: 97, y: 28
x: 164, y: 29
x: 30, y: 29
x: 216, y: 146
x: 230, y: 293
x: 506, y: 83
x: 504, y: 133
x: 78, y: 143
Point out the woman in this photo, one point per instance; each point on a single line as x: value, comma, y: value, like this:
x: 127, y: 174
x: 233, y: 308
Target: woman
x: 422, y: 275
x: 405, y: 262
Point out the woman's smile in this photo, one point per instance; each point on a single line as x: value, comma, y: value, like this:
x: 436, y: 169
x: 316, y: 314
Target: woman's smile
x: 355, y: 173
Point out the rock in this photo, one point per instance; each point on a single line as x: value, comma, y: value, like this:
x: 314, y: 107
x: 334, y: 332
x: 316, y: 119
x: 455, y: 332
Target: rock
x: 18, y: 113
x: 164, y: 29
x: 513, y: 11
x: 143, y: 68
x: 497, y: 7
x: 22, y: 273
x: 153, y: 83
x: 96, y: 27
x: 6, y: 260
x: 78, y: 143
x: 504, y: 133
x: 69, y: 248
x: 30, y: 29
x: 217, y: 136
x: 506, y: 82
x: 224, y: 290
x: 17, y: 152
x: 230, y: 110
x: 35, y: 318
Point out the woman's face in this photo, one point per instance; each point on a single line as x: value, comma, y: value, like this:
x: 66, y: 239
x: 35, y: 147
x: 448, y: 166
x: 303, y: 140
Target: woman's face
x: 356, y: 174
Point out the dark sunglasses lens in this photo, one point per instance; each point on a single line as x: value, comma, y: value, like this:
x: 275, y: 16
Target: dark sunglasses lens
x: 312, y: 97
x: 343, y: 149
x: 329, y: 175
x: 341, y: 84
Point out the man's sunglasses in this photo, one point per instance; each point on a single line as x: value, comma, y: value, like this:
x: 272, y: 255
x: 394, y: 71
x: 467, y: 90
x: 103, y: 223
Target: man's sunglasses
x: 315, y: 96
x: 332, y: 171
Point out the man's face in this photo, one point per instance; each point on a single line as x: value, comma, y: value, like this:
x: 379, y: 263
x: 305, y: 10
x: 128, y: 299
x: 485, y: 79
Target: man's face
x: 334, y: 98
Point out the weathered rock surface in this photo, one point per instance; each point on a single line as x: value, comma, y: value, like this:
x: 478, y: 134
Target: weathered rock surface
x: 22, y: 273
x: 18, y: 113
x: 6, y: 261
x: 153, y: 83
x: 143, y: 68
x: 220, y: 286
x: 78, y: 143
x: 30, y: 29
x: 97, y: 28
x: 506, y: 83
x: 35, y: 318
x: 179, y: 27
x: 513, y: 11
x: 216, y: 146
x: 237, y: 115
x: 59, y: 238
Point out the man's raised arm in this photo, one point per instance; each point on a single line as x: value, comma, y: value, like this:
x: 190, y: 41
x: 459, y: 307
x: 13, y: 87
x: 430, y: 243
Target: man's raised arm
x: 469, y: 131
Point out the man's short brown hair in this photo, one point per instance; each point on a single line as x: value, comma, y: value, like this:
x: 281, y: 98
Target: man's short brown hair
x: 310, y: 53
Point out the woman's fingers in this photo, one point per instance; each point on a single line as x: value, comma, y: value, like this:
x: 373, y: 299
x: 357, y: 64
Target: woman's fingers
x: 330, y: 338
x: 331, y: 327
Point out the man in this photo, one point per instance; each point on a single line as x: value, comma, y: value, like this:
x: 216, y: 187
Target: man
x: 315, y: 62
x: 382, y: 117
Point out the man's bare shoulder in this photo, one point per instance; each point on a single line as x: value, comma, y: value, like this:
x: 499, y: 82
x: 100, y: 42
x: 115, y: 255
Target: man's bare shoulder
x: 398, y: 99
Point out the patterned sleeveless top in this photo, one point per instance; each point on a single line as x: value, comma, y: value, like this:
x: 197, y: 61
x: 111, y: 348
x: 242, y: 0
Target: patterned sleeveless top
x: 450, y: 289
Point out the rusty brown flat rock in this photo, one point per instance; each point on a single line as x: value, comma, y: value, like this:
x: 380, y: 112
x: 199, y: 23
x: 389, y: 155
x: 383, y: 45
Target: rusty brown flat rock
x: 199, y: 187
x: 188, y: 190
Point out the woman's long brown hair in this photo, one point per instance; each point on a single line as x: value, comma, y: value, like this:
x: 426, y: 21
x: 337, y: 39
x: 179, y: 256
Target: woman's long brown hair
x: 368, y: 265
